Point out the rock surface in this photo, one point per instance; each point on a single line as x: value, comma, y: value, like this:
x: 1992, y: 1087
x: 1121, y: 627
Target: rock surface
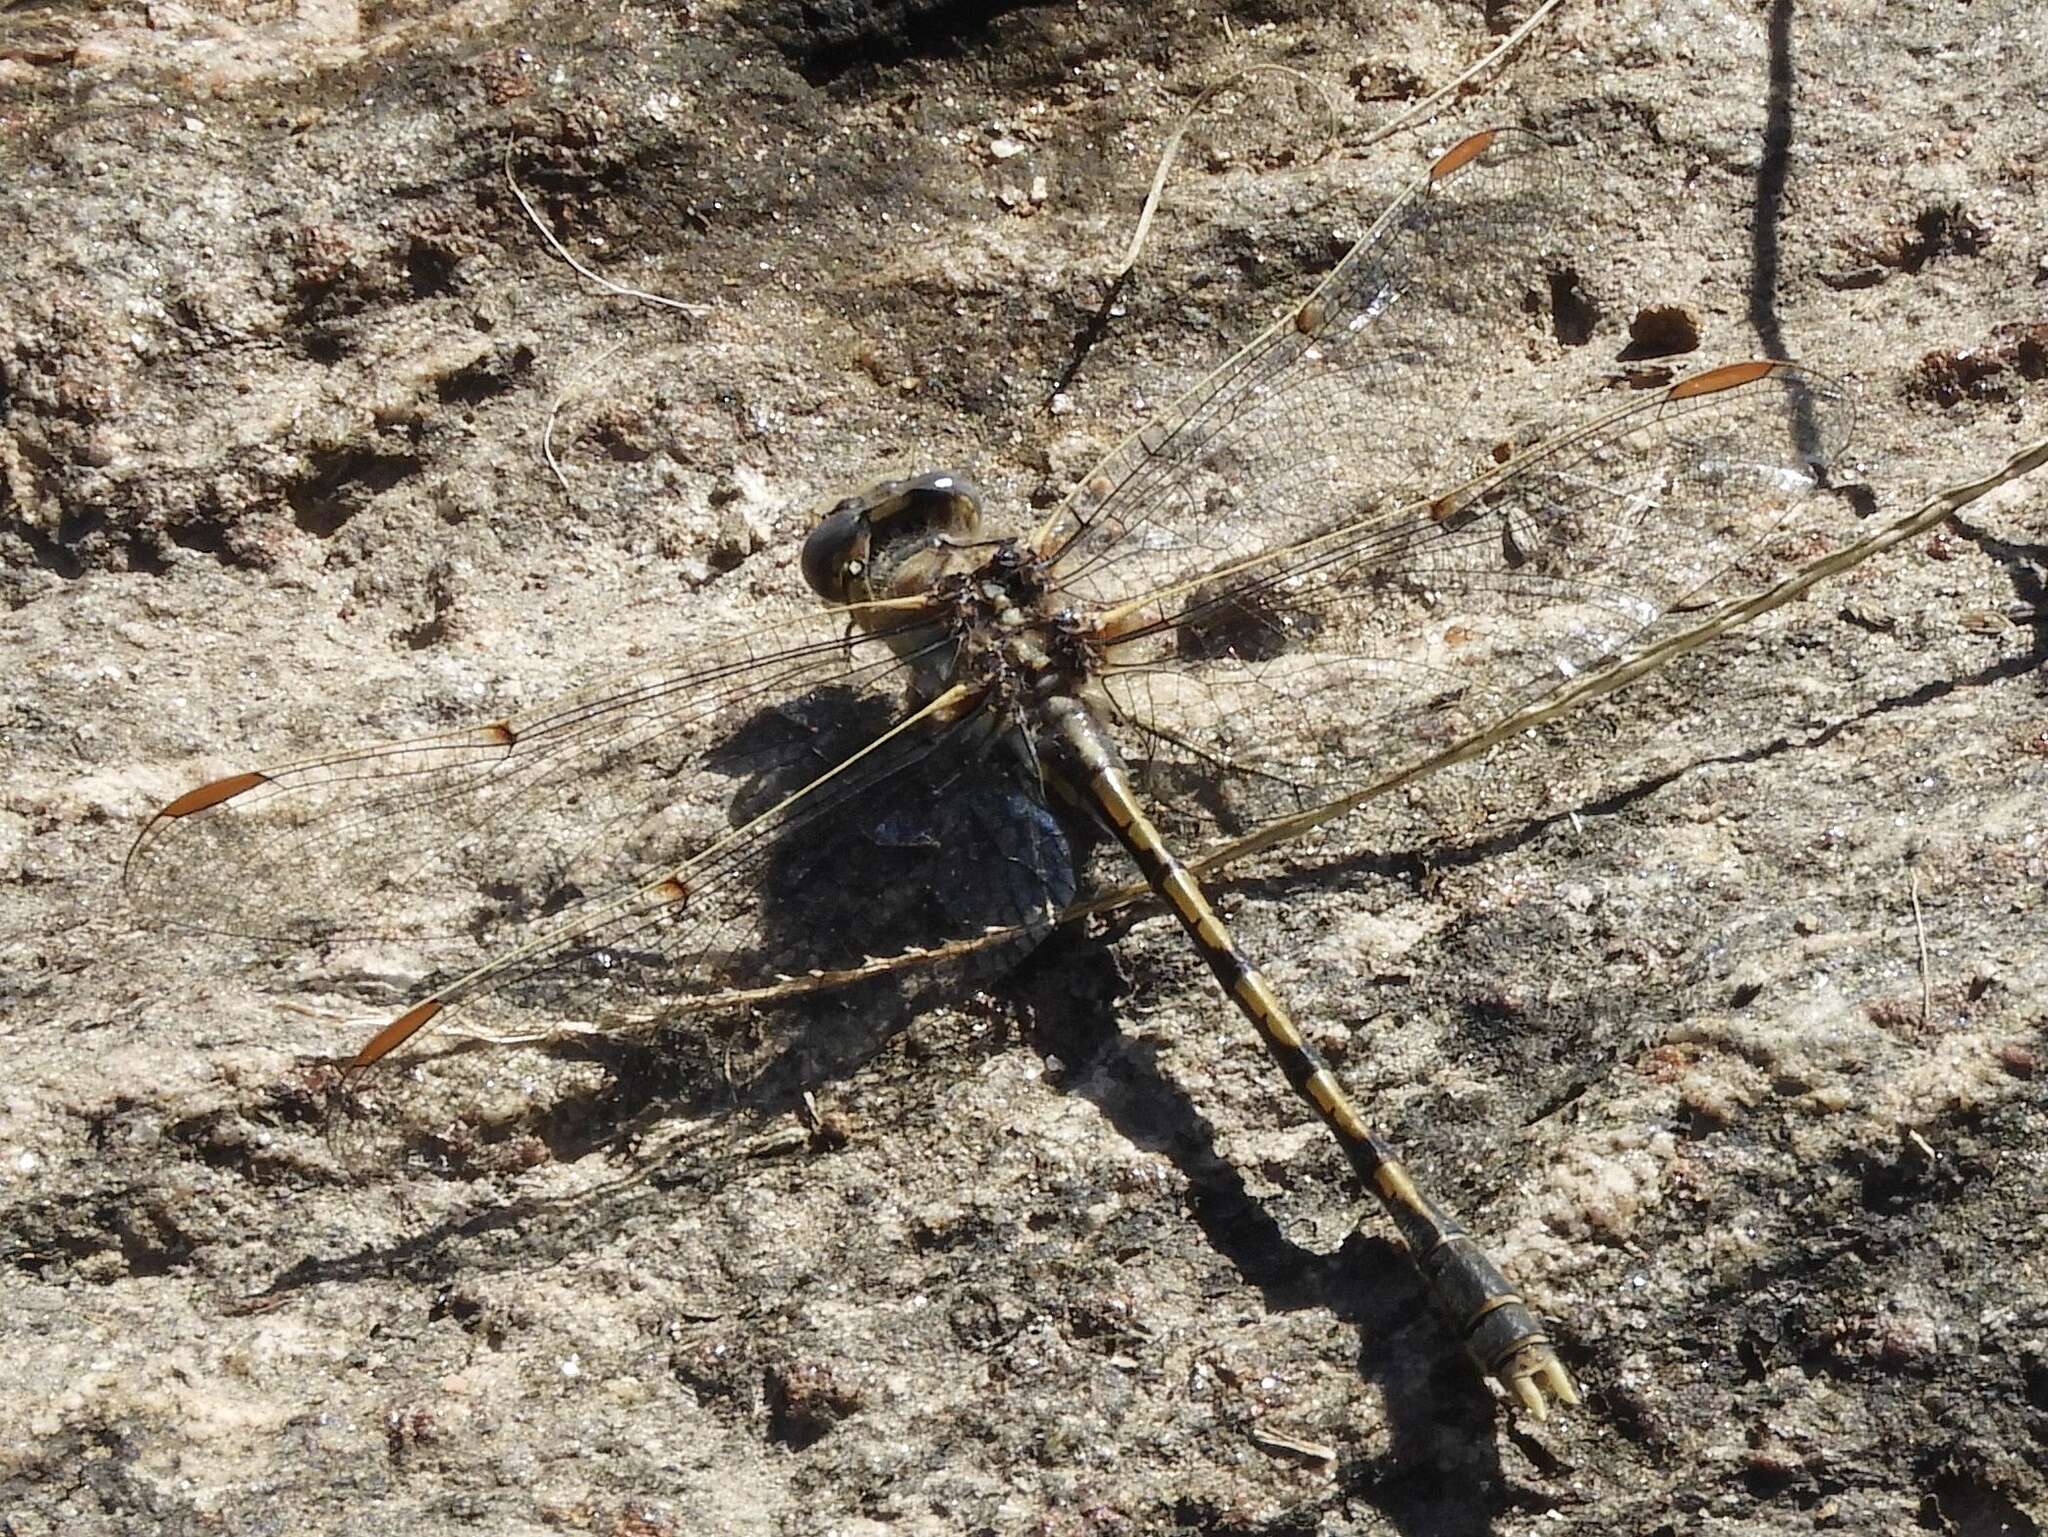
x: 1726, y: 1027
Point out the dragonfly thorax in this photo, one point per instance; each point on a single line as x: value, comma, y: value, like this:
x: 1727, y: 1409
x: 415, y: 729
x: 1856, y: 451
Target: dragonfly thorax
x: 1007, y: 642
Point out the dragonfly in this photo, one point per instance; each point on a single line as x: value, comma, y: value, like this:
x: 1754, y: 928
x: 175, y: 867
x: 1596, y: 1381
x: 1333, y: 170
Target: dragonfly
x: 1323, y: 573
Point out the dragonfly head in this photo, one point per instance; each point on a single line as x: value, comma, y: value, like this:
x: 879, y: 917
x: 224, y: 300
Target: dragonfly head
x: 864, y: 548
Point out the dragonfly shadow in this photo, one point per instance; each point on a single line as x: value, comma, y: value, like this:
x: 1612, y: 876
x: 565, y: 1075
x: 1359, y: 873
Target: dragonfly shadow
x: 1431, y: 1397
x: 949, y: 838
x: 912, y: 855
x: 1070, y: 991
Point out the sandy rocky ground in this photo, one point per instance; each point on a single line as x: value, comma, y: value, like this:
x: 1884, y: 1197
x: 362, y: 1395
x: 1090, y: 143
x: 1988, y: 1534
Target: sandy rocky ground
x: 276, y: 347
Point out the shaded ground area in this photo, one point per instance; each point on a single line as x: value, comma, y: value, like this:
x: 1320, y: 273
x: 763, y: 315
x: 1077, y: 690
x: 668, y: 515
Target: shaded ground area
x: 1718, y: 1011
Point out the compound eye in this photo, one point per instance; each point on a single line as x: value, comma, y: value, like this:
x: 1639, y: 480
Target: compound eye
x: 835, y: 552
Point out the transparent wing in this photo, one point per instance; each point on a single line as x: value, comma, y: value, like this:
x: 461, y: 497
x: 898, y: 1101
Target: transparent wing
x: 1297, y: 676
x: 455, y: 834
x: 756, y: 811
x: 924, y: 856
x: 1374, y: 380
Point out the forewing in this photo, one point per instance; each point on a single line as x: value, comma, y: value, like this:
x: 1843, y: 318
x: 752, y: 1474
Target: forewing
x: 1366, y: 383
x: 454, y: 835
